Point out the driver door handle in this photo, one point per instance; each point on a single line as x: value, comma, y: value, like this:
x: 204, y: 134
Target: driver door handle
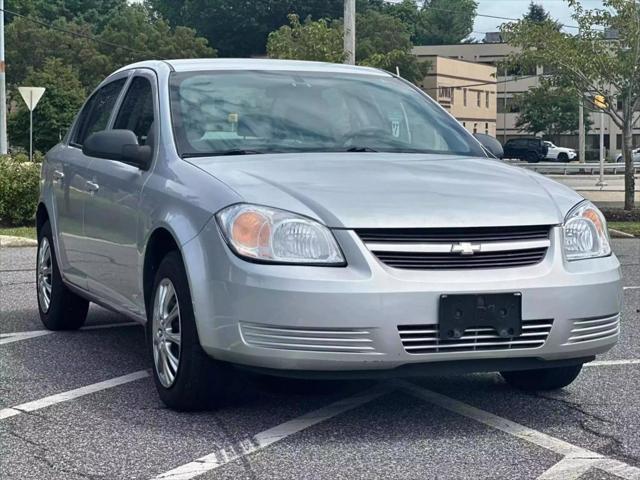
x: 91, y: 187
x: 58, y: 175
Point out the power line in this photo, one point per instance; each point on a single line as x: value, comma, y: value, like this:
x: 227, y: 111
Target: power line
x: 497, y: 82
x: 70, y: 32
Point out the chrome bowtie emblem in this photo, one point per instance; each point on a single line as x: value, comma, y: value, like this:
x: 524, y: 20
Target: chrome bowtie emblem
x: 465, y: 248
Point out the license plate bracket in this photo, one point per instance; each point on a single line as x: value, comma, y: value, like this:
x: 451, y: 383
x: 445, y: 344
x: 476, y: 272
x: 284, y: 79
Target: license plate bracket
x: 500, y: 311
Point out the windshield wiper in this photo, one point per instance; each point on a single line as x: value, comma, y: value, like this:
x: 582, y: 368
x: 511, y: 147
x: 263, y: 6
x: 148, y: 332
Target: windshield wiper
x: 234, y: 151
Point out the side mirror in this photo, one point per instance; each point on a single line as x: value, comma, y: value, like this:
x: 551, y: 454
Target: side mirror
x: 491, y: 144
x: 119, y: 145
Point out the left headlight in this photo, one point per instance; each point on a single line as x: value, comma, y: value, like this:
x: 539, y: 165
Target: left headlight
x: 585, y: 233
x: 276, y: 236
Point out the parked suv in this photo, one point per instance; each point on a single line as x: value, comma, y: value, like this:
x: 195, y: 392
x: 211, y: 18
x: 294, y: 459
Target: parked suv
x: 560, y: 154
x: 530, y: 149
x: 309, y: 219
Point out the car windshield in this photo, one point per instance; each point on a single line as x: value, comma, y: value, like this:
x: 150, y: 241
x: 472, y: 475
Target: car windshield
x: 244, y: 112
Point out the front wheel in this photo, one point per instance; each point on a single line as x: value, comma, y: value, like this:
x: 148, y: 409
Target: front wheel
x: 185, y: 376
x: 542, y: 378
x: 59, y: 307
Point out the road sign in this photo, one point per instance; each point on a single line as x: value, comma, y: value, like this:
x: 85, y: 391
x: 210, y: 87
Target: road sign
x: 31, y: 96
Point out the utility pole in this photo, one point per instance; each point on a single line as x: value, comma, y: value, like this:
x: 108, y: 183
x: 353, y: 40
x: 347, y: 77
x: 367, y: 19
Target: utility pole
x: 601, y: 182
x: 350, y: 31
x: 581, y: 133
x: 3, y: 90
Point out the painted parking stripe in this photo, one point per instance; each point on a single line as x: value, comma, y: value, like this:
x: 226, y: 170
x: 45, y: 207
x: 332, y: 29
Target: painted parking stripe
x: 604, y: 363
x: 575, y: 458
x: 268, y: 437
x: 71, y: 394
x: 632, y: 287
x: 18, y: 336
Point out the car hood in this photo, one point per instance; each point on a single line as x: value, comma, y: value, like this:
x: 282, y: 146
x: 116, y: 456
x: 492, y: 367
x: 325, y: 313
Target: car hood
x: 380, y: 190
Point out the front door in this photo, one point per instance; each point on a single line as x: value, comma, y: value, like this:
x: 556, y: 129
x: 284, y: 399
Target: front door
x: 71, y: 171
x: 111, y: 220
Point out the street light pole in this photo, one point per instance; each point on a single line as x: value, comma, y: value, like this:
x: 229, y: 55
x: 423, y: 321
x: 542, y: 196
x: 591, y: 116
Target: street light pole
x: 581, y: 132
x: 601, y: 182
x: 350, y: 32
x: 3, y: 91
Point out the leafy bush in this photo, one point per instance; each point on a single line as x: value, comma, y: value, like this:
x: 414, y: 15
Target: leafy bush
x: 19, y: 189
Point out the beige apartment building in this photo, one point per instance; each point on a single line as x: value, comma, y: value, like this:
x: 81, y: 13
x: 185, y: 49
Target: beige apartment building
x: 466, y: 89
x: 512, y: 83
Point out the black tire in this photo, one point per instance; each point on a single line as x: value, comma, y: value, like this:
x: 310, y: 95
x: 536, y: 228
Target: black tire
x: 543, y: 378
x: 563, y: 157
x: 66, y: 310
x: 200, y: 382
x: 532, y: 157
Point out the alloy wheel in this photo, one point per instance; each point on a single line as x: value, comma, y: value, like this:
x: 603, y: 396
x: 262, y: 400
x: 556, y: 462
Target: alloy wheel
x: 167, y: 333
x: 45, y: 274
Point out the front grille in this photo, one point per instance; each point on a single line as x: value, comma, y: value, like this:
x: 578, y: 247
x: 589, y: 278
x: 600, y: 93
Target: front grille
x: 418, y: 339
x: 329, y: 340
x: 590, y: 329
x: 442, y: 249
x: 453, y: 235
x: 443, y: 261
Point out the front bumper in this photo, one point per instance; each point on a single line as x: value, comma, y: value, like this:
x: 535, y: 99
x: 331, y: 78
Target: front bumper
x: 346, y: 319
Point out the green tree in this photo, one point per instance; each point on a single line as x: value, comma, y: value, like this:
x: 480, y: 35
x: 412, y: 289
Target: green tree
x: 306, y: 41
x: 94, y: 12
x: 443, y: 22
x: 63, y: 97
x: 587, y: 63
x: 537, y: 14
x: 240, y: 29
x: 549, y: 111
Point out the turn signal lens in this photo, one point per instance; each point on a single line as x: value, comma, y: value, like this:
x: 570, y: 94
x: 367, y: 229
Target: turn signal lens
x: 277, y: 236
x: 585, y: 233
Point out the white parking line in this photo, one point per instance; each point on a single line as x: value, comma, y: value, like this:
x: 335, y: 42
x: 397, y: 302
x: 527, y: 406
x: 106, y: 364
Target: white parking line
x: 577, y: 459
x: 632, y: 287
x: 18, y: 336
x: 604, y: 363
x: 70, y: 395
x: 264, y: 439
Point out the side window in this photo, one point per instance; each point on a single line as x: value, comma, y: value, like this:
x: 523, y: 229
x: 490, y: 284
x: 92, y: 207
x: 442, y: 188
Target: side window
x: 136, y: 112
x: 96, y: 112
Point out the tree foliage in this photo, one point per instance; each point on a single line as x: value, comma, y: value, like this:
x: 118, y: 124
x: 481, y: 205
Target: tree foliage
x: 306, y: 41
x: 588, y: 64
x: 63, y: 97
x: 549, y: 111
x: 94, y: 12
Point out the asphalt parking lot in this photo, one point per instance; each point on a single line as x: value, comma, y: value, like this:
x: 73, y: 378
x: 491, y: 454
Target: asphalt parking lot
x: 81, y: 405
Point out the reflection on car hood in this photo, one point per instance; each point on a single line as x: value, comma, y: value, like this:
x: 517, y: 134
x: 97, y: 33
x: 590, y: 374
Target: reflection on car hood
x: 385, y: 190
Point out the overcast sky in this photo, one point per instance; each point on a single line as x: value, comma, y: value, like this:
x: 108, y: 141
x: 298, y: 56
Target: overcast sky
x: 517, y: 8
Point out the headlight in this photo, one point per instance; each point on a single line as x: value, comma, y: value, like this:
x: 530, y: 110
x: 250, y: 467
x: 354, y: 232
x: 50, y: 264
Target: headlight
x: 585, y: 233
x: 276, y: 236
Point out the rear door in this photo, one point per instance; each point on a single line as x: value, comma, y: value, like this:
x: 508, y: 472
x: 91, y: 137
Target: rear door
x: 71, y: 171
x: 112, y: 224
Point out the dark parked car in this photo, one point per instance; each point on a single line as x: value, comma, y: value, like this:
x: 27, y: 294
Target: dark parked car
x: 530, y: 149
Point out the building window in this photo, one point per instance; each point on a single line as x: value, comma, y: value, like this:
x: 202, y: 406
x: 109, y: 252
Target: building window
x: 486, y: 99
x: 478, y: 98
x: 445, y: 93
x: 464, y: 124
x: 464, y: 97
x: 475, y: 128
x: 486, y: 128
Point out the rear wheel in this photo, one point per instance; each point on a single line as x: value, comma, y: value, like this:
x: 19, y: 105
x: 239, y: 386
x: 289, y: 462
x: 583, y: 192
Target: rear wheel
x: 185, y: 376
x: 59, y: 307
x: 563, y: 157
x: 542, y: 378
x: 532, y: 157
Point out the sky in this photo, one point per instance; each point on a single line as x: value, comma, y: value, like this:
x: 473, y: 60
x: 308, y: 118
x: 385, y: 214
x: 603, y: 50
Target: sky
x: 516, y: 8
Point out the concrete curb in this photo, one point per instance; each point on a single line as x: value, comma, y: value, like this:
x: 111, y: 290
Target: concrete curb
x: 11, y: 241
x: 618, y: 234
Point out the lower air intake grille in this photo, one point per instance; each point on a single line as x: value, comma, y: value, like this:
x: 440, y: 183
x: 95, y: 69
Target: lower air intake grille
x: 335, y: 340
x: 424, y: 338
x: 590, y: 329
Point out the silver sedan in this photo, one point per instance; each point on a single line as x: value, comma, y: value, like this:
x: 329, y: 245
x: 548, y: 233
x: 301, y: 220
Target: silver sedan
x: 314, y: 220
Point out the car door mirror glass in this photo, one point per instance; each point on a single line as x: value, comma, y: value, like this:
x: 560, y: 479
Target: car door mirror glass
x: 119, y: 145
x: 491, y: 144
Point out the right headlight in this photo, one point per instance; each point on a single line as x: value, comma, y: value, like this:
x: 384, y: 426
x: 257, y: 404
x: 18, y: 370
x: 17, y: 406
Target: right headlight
x: 585, y: 233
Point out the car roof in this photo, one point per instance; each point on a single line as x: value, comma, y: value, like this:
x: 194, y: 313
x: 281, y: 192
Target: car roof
x: 208, y: 64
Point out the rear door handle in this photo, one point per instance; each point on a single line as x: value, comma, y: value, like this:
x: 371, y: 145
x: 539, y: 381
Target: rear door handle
x: 58, y: 175
x: 91, y: 187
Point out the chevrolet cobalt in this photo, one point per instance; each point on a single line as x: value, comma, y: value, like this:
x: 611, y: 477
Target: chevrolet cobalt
x: 314, y: 220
